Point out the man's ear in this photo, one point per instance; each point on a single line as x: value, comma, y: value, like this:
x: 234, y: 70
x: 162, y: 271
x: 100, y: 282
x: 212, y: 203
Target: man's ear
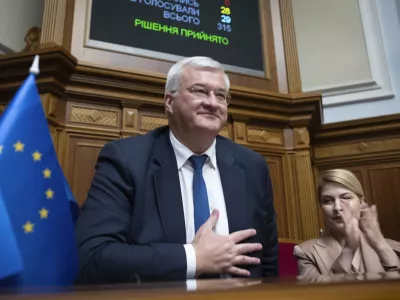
x: 168, y: 102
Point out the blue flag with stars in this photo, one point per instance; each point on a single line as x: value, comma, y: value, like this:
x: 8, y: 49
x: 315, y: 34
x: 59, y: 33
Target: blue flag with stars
x: 38, y: 245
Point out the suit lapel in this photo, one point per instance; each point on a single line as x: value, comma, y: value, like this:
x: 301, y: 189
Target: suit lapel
x: 168, y: 191
x: 234, y: 188
x: 328, y: 249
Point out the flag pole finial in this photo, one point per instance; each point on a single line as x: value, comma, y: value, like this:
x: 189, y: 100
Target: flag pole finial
x: 35, y: 66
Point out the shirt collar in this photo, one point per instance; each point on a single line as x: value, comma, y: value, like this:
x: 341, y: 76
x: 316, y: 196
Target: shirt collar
x: 183, y: 153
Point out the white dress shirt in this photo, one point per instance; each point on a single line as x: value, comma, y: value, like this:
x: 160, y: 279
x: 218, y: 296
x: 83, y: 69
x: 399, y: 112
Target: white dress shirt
x: 214, y: 191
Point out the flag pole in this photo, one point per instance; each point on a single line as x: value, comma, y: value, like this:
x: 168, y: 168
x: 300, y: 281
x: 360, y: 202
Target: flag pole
x: 35, y: 66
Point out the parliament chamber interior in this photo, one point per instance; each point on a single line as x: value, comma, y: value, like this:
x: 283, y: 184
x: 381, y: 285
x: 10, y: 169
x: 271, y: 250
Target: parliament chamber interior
x: 315, y: 86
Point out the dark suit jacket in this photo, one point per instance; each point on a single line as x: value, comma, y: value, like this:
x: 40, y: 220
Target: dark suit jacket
x: 132, y: 224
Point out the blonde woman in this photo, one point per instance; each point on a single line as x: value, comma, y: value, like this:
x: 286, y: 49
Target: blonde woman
x: 353, y: 243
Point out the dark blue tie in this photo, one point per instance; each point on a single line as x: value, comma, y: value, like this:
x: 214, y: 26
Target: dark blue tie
x: 200, y: 198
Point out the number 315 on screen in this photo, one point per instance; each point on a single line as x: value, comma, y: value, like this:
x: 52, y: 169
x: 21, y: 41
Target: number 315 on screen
x: 224, y: 27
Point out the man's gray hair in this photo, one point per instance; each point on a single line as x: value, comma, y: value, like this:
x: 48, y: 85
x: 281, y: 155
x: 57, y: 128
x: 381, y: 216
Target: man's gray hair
x: 174, y: 76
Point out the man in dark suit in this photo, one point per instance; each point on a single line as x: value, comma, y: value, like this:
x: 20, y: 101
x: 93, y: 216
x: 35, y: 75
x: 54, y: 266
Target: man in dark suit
x: 181, y: 201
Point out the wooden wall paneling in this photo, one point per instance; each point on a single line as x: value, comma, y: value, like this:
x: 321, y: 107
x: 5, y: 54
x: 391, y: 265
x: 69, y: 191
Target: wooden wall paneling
x: 227, y: 131
x: 353, y: 143
x: 385, y: 193
x: 265, y: 136
x: 58, y: 135
x: 291, y: 173
x: 55, y: 110
x: 288, y: 152
x: 363, y: 175
x: 82, y: 153
x: 322, y: 228
x: 130, y: 121
x: 295, y: 230
x: 89, y: 127
x: 92, y: 115
x: 61, y: 145
x: 268, y: 140
x: 55, y: 136
x: 355, y: 151
x: 275, y: 164
x: 54, y: 107
x: 149, y: 120
x: 239, y: 131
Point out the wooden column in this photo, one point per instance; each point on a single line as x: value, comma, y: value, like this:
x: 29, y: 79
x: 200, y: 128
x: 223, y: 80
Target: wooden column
x: 289, y: 39
x: 306, y: 195
x: 57, y: 23
x: 302, y: 208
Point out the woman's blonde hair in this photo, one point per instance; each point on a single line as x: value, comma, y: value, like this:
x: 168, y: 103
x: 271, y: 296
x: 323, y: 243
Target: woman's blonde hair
x: 343, y: 177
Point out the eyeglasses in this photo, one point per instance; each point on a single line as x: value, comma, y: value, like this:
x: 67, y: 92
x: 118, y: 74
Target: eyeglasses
x: 202, y: 92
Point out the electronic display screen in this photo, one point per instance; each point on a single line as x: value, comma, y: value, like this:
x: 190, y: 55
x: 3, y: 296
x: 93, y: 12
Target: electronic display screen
x: 225, y: 30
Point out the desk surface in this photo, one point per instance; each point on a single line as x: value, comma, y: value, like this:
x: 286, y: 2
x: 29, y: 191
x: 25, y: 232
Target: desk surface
x: 360, y: 288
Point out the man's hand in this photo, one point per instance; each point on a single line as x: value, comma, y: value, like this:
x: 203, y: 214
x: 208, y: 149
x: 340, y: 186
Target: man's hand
x: 220, y: 254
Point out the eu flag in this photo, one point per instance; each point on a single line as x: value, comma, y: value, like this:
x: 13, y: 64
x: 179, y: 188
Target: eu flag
x: 38, y: 246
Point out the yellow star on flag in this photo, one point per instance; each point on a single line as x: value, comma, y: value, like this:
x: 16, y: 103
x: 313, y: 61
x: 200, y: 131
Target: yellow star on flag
x: 44, y: 213
x: 49, y: 194
x: 19, y: 147
x: 1, y: 149
x: 28, y: 227
x: 37, y: 156
x: 46, y: 173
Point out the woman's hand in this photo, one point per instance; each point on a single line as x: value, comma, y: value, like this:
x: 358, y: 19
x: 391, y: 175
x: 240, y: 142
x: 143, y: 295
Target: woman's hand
x: 352, y: 240
x: 370, y: 226
x: 351, y: 227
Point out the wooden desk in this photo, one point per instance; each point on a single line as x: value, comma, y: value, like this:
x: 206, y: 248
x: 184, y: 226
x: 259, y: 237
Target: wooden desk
x: 226, y: 289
